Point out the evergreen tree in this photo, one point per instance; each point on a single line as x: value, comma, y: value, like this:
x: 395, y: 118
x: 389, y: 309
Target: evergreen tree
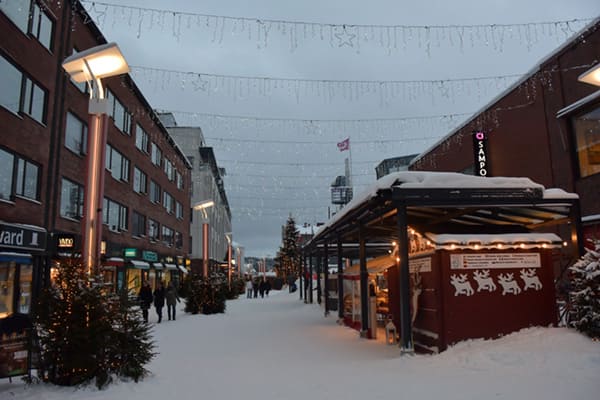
x: 584, y: 295
x: 206, y: 295
x: 288, y: 260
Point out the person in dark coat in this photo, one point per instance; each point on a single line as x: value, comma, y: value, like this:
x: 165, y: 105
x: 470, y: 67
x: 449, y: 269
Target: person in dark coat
x: 159, y: 300
x: 255, y: 287
x: 261, y: 288
x: 172, y: 299
x: 145, y: 298
x: 267, y: 288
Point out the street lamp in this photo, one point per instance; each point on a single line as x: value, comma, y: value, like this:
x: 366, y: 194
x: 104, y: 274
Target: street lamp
x: 228, y: 236
x: 203, y: 205
x: 591, y: 76
x: 91, y: 66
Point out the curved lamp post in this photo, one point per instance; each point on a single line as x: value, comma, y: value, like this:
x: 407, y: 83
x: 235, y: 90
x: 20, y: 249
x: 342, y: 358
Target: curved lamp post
x: 91, y: 66
x: 202, y: 206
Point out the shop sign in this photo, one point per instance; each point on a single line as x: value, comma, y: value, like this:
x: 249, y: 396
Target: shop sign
x: 419, y: 265
x: 149, y: 255
x: 130, y: 252
x: 495, y: 260
x: 169, y: 259
x: 65, y: 241
x: 20, y: 237
x: 482, y: 167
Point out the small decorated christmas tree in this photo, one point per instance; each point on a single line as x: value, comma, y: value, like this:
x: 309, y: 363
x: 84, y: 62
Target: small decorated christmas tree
x: 585, y: 293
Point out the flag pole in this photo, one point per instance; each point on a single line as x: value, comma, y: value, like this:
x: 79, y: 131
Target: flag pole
x: 350, y: 166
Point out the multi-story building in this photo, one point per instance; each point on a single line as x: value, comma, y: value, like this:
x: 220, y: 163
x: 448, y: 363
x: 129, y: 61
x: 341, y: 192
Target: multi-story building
x: 43, y: 146
x: 207, y: 185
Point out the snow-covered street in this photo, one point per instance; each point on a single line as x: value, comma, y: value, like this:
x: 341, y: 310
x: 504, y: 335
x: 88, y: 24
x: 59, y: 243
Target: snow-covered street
x: 281, y: 348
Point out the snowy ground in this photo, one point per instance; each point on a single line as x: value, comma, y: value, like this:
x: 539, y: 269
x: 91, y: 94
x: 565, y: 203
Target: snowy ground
x: 281, y: 348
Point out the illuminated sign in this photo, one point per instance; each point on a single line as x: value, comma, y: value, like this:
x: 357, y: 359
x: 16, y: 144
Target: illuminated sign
x: 130, y: 252
x: 149, y: 255
x: 482, y: 164
x: 66, y: 242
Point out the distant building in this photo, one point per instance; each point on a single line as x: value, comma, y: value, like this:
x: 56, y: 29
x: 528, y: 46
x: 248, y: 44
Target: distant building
x: 393, y: 164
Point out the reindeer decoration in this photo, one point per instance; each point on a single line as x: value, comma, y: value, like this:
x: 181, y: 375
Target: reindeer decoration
x: 508, y: 283
x: 484, y: 281
x: 416, y: 291
x: 461, y: 284
x: 531, y: 280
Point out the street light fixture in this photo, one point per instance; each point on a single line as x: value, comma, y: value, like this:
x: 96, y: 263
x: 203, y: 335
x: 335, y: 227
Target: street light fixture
x: 591, y: 76
x: 91, y: 66
x: 203, y: 205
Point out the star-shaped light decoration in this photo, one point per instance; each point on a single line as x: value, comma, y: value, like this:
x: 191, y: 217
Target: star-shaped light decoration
x: 344, y: 37
x: 199, y: 83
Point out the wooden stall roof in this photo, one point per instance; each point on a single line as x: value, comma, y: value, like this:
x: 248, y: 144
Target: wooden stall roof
x: 445, y: 202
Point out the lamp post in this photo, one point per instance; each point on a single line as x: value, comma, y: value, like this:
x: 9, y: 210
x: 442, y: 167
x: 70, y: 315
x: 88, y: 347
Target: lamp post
x: 203, y: 205
x: 228, y: 236
x: 591, y: 76
x: 91, y: 66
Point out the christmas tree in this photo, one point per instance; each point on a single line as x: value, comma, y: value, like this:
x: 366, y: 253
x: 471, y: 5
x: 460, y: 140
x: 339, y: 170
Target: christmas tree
x: 288, y: 259
x: 206, y: 295
x: 584, y: 295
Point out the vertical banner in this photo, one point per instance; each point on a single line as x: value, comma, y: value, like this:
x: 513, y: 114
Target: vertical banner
x: 480, y: 152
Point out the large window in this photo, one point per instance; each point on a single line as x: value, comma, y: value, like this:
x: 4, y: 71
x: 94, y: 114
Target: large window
x: 168, y: 236
x: 153, y: 230
x: 71, y: 200
x: 168, y: 202
x: 117, y: 164
x: 21, y: 94
x: 114, y: 215
x: 156, y: 154
x: 7, y: 161
x: 141, y: 138
x: 27, y: 179
x: 154, y: 192
x: 587, y: 136
x: 119, y: 113
x: 139, y: 224
x: 140, y: 181
x: 18, y: 177
x: 40, y: 26
x: 178, y: 240
x: 169, y: 170
x: 75, y: 134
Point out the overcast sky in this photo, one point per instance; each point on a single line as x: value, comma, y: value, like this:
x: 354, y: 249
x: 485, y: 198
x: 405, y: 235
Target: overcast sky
x: 393, y: 76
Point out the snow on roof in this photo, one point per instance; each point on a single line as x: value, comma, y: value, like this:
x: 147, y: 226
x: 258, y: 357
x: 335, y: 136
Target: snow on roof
x: 522, y: 240
x: 305, y: 230
x: 442, y: 180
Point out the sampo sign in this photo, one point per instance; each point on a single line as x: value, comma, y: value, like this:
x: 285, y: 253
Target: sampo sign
x: 482, y: 165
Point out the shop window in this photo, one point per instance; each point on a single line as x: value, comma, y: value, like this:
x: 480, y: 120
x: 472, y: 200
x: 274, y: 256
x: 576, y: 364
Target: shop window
x: 587, y: 137
x: 20, y: 94
x: 25, y: 279
x: 71, y: 200
x: 7, y: 288
x: 75, y: 134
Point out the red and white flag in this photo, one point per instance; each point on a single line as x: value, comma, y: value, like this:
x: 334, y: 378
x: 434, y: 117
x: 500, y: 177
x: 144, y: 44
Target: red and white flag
x: 344, y: 145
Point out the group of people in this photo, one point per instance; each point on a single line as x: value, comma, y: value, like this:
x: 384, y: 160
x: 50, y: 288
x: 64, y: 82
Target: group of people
x: 254, y: 288
x: 160, y: 295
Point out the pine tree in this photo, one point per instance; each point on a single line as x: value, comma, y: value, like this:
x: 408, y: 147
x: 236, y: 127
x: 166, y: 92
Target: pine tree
x: 585, y: 293
x: 288, y: 260
x: 206, y: 295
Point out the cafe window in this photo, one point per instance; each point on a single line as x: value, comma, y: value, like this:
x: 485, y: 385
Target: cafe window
x: 587, y: 137
x: 75, y: 134
x: 71, y: 200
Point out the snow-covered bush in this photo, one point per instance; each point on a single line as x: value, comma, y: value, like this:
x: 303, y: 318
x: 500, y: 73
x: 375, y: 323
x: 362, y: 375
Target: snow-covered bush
x: 585, y: 293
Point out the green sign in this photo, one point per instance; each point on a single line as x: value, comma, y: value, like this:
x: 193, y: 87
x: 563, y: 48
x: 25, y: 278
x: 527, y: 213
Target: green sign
x: 130, y: 252
x: 149, y: 256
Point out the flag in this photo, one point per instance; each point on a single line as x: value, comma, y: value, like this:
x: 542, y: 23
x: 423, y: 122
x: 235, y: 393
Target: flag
x: 344, y: 145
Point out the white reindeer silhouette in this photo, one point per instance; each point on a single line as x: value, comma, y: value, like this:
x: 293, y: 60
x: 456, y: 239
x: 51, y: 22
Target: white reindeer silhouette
x: 508, y: 283
x: 461, y: 284
x: 531, y: 280
x: 484, y: 281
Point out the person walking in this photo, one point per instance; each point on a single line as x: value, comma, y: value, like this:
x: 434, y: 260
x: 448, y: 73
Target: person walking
x: 145, y: 298
x: 255, y: 287
x: 159, y: 300
x: 172, y: 299
x: 261, y: 288
x: 249, y: 288
x: 267, y: 287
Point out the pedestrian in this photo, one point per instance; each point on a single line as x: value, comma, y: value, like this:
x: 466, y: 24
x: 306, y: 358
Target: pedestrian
x: 261, y: 288
x: 145, y: 299
x: 255, y: 287
x: 267, y: 287
x: 172, y: 299
x: 249, y: 288
x: 159, y: 300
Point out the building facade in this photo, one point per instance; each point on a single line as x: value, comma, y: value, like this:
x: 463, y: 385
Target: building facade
x: 43, y: 148
x: 546, y: 127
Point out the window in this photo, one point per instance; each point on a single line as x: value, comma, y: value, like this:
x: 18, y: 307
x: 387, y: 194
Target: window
x: 156, y: 154
x: 41, y: 26
x: 7, y: 161
x: 168, y: 202
x: 140, y: 181
x: 168, y: 237
x: 179, y: 180
x: 178, y: 240
x: 154, y: 192
x: 75, y: 134
x: 587, y: 136
x: 71, y: 200
x: 169, y: 170
x: 27, y: 179
x: 114, y: 215
x: 153, y: 230
x: 141, y: 138
x: 117, y: 164
x: 119, y: 114
x: 139, y: 224
x: 178, y: 210
x: 21, y: 94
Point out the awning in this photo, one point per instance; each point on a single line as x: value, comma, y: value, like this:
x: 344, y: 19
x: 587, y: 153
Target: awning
x: 374, y: 265
x: 114, y: 262
x: 21, y: 258
x: 140, y: 264
x: 170, y: 266
x: 182, y: 269
x: 157, y: 265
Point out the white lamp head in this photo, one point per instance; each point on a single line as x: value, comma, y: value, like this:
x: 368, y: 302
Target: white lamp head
x: 203, y: 205
x: 591, y: 76
x: 96, y: 63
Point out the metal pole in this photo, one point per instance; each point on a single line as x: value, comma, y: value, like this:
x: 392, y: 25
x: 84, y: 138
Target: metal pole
x: 404, y: 276
x: 310, y: 279
x: 326, y: 279
x: 340, y: 262
x: 319, y: 286
x: 205, y: 254
x: 364, y: 282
